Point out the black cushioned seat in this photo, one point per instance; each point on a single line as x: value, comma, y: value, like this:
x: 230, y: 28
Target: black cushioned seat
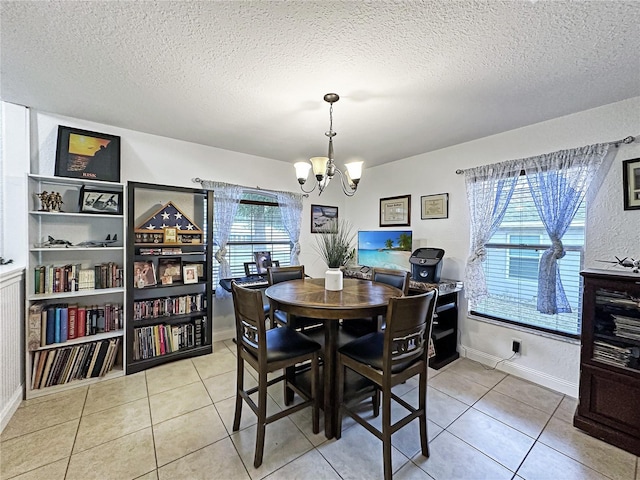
x: 285, y: 343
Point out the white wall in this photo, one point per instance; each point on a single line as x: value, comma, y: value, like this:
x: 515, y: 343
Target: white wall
x: 610, y: 230
x: 149, y: 158
x: 166, y: 161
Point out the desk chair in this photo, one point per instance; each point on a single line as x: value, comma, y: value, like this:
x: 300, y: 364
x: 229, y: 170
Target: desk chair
x: 267, y: 351
x: 387, y: 359
x: 362, y: 326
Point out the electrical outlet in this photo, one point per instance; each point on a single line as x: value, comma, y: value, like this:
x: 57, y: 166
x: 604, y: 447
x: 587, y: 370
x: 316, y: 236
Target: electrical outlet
x: 516, y: 345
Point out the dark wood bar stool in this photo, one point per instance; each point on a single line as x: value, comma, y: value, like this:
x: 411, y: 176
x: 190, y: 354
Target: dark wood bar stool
x: 387, y: 359
x: 267, y: 351
x: 362, y: 326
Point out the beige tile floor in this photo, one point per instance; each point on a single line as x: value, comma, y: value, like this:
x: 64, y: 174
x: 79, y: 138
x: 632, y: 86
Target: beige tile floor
x: 174, y: 422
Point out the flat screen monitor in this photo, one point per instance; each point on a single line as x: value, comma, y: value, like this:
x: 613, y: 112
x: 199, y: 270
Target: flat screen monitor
x: 385, y: 248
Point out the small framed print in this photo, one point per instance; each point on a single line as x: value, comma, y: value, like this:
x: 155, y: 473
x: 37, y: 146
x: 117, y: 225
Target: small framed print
x: 170, y: 267
x: 190, y: 274
x: 88, y: 155
x: 199, y: 269
x: 631, y: 179
x: 323, y: 219
x: 395, y: 211
x: 100, y: 201
x: 170, y: 235
x: 434, y: 206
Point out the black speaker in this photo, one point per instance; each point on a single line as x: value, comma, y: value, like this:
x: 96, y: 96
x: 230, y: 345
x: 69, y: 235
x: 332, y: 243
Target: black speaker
x: 426, y: 264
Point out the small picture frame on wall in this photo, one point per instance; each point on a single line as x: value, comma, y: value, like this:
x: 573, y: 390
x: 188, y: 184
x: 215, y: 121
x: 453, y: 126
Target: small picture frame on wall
x: 631, y: 179
x: 170, y: 235
x: 87, y: 155
x: 434, y: 206
x: 324, y: 219
x: 395, y: 211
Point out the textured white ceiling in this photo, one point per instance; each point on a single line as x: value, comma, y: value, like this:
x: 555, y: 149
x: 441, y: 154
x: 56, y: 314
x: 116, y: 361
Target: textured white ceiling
x: 250, y: 76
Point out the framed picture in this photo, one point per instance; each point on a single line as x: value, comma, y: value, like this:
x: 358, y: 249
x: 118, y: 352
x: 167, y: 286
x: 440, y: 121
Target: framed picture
x: 263, y: 261
x: 323, y: 218
x: 434, y: 206
x: 190, y: 274
x: 199, y: 269
x: 89, y: 155
x: 170, y: 267
x: 100, y: 201
x: 395, y: 211
x: 170, y: 235
x: 631, y: 178
x: 144, y: 274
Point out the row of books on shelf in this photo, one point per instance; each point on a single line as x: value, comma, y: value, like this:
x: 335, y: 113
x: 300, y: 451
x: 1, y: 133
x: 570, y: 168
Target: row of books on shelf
x: 615, y: 355
x: 157, y: 340
x: 57, y: 323
x: 64, y: 365
x: 627, y: 327
x: 160, y: 307
x: 72, y: 277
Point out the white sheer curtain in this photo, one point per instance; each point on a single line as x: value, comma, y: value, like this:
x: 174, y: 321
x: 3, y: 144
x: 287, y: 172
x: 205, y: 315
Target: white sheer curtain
x: 291, y: 210
x: 558, y: 183
x: 489, y: 190
x: 226, y: 198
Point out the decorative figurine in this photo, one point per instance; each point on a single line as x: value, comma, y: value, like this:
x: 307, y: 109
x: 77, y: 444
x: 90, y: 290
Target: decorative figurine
x: 50, y: 202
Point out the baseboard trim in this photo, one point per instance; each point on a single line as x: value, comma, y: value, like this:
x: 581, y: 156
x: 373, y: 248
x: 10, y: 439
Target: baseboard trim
x: 11, y: 407
x: 225, y: 334
x: 544, y: 379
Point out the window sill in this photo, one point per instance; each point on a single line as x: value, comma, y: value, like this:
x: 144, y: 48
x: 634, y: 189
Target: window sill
x: 522, y: 328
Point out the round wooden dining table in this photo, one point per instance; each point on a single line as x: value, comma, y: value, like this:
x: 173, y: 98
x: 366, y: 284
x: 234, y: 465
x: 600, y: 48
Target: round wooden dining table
x: 308, y: 298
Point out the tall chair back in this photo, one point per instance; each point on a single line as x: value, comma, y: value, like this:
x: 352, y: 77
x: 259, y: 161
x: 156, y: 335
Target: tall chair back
x: 406, y: 337
x: 395, y: 278
x: 250, y: 320
x: 284, y: 274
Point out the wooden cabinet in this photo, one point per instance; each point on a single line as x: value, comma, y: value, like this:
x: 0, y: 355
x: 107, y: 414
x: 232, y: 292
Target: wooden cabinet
x: 169, y: 296
x: 75, y: 283
x: 609, y: 406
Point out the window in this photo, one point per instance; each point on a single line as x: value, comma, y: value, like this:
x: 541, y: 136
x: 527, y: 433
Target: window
x: 511, y: 267
x: 522, y: 263
x: 257, y: 227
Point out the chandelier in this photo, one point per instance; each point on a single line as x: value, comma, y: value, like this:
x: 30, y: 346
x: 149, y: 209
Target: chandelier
x: 324, y: 168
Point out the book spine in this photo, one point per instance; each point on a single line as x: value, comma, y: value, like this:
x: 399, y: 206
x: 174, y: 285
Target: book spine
x: 73, y: 321
x: 64, y: 323
x: 34, y: 334
x: 57, y: 325
x: 82, y: 321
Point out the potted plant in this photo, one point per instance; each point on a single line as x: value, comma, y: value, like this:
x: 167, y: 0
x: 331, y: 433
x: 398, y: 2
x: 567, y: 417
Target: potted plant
x: 335, y: 248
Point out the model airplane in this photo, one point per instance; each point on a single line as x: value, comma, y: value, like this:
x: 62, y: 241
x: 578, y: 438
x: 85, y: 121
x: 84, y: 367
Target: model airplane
x: 626, y: 262
x: 54, y: 242
x: 99, y: 243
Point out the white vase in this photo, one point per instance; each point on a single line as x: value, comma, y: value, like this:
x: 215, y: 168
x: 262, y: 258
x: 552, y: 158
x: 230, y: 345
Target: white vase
x: 333, y: 279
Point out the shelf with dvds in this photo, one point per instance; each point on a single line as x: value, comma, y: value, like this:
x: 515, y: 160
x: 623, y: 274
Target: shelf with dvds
x: 610, y: 358
x: 75, y: 283
x: 169, y: 297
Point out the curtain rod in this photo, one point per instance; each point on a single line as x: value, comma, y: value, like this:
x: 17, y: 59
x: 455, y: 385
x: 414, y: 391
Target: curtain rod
x: 200, y: 180
x: 616, y: 143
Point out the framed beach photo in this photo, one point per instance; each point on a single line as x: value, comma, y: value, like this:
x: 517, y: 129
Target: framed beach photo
x: 395, y: 211
x: 434, y: 206
x: 100, y: 201
x: 88, y: 155
x: 324, y: 218
x: 631, y: 180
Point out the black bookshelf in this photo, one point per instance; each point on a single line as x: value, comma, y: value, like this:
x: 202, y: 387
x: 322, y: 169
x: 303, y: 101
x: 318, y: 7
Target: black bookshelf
x: 168, y: 317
